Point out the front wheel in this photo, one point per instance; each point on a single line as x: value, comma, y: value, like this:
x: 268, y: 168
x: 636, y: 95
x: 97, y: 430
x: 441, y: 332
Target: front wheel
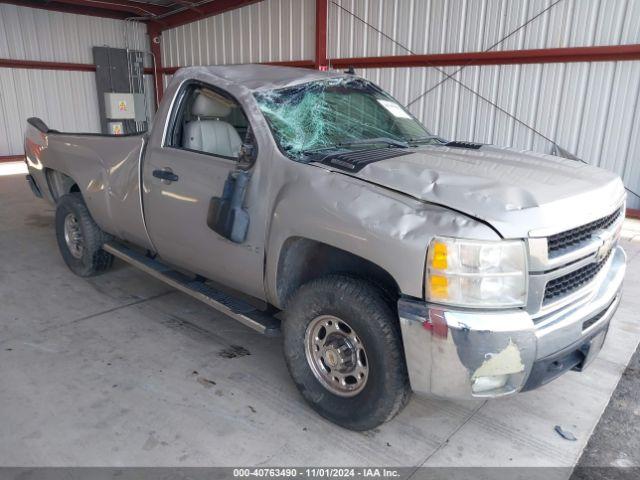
x: 344, y: 351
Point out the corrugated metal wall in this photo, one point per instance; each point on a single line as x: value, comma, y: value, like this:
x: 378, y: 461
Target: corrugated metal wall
x: 34, y: 34
x: 272, y: 30
x: 65, y: 100
x: 591, y: 110
x: 451, y: 26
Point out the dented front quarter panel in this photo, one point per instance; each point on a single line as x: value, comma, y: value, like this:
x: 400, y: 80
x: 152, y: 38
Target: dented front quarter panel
x: 387, y: 228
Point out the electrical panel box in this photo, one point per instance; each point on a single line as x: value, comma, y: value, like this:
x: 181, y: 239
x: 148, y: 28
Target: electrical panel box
x: 121, y: 89
x: 140, y: 104
x: 125, y: 106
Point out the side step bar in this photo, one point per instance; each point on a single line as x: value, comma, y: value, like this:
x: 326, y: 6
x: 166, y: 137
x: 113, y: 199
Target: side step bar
x: 235, y: 308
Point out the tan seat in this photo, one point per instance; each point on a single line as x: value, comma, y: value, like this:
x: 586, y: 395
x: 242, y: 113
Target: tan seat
x: 208, y: 133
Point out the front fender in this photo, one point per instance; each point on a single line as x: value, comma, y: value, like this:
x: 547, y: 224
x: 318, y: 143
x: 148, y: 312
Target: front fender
x: 385, y: 227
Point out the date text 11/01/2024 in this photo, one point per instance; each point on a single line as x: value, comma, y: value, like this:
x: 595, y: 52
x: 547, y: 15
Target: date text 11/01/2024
x: 322, y: 472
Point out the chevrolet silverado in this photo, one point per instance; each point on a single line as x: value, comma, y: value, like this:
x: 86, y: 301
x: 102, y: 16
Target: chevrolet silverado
x: 314, y: 204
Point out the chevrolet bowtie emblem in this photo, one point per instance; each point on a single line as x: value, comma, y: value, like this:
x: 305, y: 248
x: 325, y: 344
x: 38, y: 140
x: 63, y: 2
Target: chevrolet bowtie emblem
x: 605, y: 247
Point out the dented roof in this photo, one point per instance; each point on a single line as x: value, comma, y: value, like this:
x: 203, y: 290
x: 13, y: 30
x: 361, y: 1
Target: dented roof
x: 260, y: 77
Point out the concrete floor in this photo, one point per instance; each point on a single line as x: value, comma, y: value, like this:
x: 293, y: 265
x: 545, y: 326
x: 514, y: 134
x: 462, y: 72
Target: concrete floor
x: 616, y: 440
x: 120, y: 370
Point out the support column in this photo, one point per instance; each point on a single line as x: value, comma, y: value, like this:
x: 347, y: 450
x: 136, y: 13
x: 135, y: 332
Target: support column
x: 321, y: 62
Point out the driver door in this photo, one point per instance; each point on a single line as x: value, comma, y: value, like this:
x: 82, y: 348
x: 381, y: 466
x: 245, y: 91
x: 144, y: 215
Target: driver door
x: 181, y: 177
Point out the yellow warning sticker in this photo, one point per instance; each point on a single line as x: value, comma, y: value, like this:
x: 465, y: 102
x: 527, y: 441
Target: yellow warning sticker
x: 122, y: 106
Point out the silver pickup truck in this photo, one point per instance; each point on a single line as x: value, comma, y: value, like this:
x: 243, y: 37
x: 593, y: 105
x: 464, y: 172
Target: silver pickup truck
x: 314, y: 204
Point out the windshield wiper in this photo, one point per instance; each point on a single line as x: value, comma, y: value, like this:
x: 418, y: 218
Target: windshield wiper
x: 392, y: 142
x: 426, y: 139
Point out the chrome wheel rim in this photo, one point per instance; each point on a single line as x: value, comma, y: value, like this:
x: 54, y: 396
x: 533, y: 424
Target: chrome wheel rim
x: 336, y: 355
x: 73, y: 236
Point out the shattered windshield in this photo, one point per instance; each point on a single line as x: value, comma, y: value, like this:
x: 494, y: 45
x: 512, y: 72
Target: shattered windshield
x: 339, y: 113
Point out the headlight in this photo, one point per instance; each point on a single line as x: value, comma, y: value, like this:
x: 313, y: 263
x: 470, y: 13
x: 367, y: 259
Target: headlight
x: 473, y: 273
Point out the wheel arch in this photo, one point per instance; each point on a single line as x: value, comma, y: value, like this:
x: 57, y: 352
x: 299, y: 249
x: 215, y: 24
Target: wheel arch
x: 60, y: 183
x: 302, y: 260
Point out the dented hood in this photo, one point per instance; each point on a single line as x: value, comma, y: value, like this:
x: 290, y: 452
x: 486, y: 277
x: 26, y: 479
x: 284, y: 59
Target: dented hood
x: 518, y: 193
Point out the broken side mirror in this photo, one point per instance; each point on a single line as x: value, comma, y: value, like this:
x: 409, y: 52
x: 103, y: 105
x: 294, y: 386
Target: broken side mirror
x: 248, y: 151
x: 247, y: 156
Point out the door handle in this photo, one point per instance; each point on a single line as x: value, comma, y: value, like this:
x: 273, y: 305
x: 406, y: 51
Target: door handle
x: 165, y: 175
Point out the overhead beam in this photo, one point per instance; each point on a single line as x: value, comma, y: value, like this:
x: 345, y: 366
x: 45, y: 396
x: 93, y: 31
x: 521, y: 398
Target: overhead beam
x: 209, y: 9
x: 584, y: 54
x: 135, y: 8
x: 57, y: 6
x: 507, y: 57
x: 190, y: 5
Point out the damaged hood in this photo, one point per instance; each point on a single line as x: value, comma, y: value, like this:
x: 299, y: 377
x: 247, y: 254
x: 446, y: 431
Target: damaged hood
x: 517, y: 192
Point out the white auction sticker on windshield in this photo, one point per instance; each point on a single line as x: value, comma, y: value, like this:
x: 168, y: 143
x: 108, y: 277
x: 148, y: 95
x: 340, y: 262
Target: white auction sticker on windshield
x: 393, y: 108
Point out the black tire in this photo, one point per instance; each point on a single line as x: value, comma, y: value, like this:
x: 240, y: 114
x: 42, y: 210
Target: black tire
x: 364, y: 308
x: 93, y: 260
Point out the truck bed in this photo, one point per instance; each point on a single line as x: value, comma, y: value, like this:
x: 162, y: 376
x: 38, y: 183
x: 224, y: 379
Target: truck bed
x: 105, y: 169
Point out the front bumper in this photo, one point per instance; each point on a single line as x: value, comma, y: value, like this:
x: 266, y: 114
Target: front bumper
x: 459, y: 353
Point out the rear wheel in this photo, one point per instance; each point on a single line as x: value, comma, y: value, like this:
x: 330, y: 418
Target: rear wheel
x: 343, y: 348
x: 79, y: 238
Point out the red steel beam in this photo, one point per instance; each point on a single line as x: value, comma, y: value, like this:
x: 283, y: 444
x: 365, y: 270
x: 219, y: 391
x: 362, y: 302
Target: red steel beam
x: 293, y: 63
x: 321, y: 34
x: 507, y: 57
x: 11, y: 158
x: 38, y: 65
x: 209, y: 9
x: 170, y: 70
x: 154, y: 32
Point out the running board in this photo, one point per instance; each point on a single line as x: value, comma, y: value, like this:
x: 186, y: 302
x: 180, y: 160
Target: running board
x: 233, y: 307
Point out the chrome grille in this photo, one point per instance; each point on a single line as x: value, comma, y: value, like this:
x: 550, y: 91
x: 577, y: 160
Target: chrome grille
x: 560, y: 242
x: 569, y: 283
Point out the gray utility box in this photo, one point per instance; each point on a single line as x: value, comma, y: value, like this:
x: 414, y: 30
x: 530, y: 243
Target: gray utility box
x: 125, y: 106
